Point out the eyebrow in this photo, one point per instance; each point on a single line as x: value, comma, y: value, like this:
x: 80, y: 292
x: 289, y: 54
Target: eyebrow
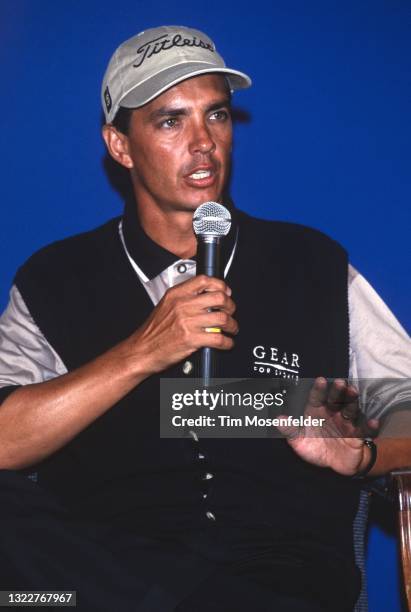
x: 165, y: 111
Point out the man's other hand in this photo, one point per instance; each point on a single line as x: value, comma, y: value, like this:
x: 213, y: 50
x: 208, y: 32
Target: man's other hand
x: 339, y: 443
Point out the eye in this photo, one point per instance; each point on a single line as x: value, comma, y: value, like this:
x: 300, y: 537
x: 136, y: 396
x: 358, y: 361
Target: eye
x: 220, y: 115
x: 169, y: 123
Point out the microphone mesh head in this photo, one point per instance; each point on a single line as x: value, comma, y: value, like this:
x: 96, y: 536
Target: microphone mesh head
x: 211, y: 219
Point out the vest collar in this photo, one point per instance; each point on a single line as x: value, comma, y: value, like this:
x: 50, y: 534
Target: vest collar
x: 150, y: 257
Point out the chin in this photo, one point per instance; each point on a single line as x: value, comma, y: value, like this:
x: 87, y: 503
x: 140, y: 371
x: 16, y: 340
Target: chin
x: 205, y: 197
x: 193, y: 200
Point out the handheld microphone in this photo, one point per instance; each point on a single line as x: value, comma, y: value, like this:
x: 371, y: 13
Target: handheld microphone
x: 211, y: 222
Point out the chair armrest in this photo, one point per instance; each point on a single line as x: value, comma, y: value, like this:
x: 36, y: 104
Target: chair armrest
x: 402, y: 481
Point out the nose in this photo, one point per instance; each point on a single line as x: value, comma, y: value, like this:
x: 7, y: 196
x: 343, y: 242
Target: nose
x: 201, y: 140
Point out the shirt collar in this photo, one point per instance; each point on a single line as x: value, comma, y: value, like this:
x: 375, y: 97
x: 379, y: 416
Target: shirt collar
x: 151, y: 258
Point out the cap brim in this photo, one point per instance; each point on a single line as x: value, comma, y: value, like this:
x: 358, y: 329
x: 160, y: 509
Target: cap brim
x: 144, y: 92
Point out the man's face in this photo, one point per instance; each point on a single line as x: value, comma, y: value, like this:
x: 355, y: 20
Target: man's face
x: 180, y: 144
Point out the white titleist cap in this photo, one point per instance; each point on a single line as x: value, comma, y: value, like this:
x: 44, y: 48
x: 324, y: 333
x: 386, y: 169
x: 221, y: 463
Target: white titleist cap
x: 151, y: 62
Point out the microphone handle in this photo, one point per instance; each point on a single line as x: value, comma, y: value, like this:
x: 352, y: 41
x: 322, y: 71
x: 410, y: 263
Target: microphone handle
x: 209, y: 263
x: 209, y: 258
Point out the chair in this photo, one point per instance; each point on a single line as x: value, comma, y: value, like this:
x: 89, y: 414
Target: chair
x: 396, y: 488
x: 402, y: 485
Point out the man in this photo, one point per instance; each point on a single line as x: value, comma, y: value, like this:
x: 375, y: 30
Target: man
x: 132, y: 521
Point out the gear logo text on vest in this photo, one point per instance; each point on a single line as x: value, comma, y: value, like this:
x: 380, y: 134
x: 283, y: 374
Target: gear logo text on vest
x: 270, y: 360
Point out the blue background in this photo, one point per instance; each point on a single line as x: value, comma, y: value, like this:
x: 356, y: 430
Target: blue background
x: 326, y: 143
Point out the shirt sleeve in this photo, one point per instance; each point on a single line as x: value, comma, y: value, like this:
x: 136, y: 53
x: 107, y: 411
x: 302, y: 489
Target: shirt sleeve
x: 380, y: 355
x: 26, y: 357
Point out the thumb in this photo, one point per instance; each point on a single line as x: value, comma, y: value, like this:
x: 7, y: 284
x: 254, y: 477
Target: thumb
x: 291, y: 432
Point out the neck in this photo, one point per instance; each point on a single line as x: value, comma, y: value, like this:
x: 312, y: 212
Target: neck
x: 173, y: 230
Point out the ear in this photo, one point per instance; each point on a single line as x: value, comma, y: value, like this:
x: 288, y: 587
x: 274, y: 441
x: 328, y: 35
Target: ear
x: 117, y: 145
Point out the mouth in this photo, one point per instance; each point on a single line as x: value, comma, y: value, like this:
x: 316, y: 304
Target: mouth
x: 202, y: 177
x: 200, y: 174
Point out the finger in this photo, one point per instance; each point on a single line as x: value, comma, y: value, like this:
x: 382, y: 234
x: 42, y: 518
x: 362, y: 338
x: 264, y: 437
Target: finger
x: 337, y: 394
x: 357, y: 427
x: 351, y: 412
x: 214, y: 299
x: 373, y: 424
x: 318, y: 393
x: 214, y: 340
x: 341, y: 392
x: 291, y: 432
x: 351, y: 398
x: 200, y: 284
x: 347, y: 427
x: 343, y: 398
x: 218, y: 319
x: 369, y: 429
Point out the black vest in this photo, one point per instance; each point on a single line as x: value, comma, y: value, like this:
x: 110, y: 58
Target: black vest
x: 290, y: 286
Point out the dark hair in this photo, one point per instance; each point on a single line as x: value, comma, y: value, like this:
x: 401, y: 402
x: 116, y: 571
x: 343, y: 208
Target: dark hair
x: 122, y: 120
